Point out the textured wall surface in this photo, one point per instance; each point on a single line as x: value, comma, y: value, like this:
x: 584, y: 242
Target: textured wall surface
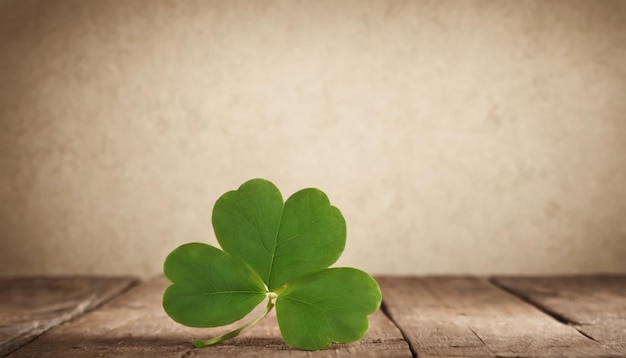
x: 456, y: 136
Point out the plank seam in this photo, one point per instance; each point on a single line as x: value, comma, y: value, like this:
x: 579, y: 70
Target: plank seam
x: 187, y: 354
x: 384, y: 309
x: 72, y: 315
x: 557, y: 316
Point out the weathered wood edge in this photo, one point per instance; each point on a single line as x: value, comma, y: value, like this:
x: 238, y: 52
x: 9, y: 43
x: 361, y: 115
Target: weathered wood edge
x: 21, y: 333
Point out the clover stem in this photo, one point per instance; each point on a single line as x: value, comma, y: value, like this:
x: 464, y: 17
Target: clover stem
x: 232, y: 334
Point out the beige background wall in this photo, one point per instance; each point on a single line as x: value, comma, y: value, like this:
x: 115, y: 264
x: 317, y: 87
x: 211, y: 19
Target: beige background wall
x: 456, y: 136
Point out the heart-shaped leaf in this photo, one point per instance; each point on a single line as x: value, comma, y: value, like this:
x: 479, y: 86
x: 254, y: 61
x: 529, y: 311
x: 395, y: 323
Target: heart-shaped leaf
x: 210, y: 288
x: 327, y: 306
x: 276, y: 250
x: 280, y: 242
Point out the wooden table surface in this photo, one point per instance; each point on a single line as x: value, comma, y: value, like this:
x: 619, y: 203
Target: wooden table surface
x: 452, y: 316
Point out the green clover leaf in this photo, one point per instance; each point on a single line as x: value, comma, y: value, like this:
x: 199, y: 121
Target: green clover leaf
x: 220, y: 289
x: 327, y: 306
x: 274, y: 250
x: 280, y: 242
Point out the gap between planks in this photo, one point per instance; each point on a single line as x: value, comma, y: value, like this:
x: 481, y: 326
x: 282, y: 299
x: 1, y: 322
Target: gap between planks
x: 594, y: 305
x: 385, y: 311
x: 471, y: 317
x: 30, y: 306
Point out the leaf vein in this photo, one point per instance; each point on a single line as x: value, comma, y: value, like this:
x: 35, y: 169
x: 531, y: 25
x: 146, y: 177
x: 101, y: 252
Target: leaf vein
x: 218, y: 293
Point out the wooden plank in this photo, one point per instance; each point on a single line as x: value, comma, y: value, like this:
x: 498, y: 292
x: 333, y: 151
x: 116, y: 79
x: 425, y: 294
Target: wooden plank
x: 30, y: 306
x: 134, y: 325
x: 469, y: 317
x: 594, y: 305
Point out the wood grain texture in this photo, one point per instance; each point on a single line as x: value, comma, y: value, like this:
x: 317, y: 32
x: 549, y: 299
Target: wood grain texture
x: 469, y: 317
x: 135, y: 325
x: 594, y: 305
x: 30, y: 306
